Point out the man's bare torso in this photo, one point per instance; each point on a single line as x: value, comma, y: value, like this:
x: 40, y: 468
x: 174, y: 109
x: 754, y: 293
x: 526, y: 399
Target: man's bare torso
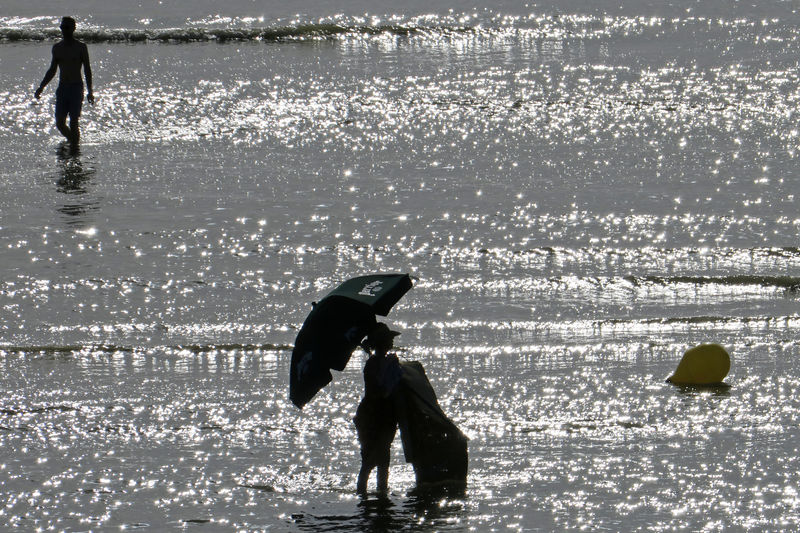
x: 70, y: 55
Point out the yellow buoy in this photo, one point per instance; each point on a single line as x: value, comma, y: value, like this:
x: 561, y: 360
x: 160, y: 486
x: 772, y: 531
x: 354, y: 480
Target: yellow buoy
x: 707, y: 364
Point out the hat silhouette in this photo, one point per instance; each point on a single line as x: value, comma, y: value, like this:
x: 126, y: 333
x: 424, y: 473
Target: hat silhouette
x: 380, y: 335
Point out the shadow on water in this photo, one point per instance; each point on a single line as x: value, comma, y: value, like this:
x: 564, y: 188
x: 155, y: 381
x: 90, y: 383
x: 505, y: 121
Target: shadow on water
x: 73, y: 179
x: 422, y: 510
x: 718, y: 390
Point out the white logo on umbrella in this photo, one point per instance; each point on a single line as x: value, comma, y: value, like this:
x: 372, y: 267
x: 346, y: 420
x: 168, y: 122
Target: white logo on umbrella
x: 371, y: 289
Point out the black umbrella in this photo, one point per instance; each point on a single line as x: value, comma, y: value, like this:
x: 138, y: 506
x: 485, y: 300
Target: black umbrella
x: 335, y: 328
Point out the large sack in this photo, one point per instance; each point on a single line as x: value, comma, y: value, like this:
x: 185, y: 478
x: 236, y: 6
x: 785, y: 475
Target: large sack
x: 431, y: 442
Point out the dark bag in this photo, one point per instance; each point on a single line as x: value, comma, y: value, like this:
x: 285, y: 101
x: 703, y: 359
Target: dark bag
x: 431, y: 442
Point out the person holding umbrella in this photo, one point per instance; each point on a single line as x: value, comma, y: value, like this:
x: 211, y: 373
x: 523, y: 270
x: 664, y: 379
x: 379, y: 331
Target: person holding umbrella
x: 396, y: 395
x: 376, y: 420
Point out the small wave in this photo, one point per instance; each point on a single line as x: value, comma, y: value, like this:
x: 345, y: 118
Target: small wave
x: 205, y: 348
x: 46, y: 408
x: 707, y: 321
x: 791, y: 283
x: 55, y: 350
x: 188, y: 35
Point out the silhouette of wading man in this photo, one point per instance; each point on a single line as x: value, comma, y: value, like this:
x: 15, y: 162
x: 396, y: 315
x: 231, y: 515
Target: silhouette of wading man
x: 69, y: 55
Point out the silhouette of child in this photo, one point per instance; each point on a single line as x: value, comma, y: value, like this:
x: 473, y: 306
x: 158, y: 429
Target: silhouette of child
x: 376, y: 420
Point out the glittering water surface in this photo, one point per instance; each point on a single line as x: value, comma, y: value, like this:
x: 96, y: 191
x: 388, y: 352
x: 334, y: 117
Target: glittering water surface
x: 580, y: 194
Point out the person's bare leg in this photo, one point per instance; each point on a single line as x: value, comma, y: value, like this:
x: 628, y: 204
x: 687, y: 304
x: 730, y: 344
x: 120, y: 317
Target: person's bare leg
x: 383, y: 478
x: 74, y: 130
x: 61, y: 124
x: 363, y: 478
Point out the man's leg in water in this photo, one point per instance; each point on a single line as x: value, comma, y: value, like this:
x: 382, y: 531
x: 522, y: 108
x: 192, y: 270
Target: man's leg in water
x: 61, y: 124
x: 383, y: 478
x: 74, y: 130
x: 363, y: 478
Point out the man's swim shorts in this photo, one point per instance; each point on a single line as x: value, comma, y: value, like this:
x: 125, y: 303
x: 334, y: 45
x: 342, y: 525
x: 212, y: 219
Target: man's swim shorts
x: 69, y: 99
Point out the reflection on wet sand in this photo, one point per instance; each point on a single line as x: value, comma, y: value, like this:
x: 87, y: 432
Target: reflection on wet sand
x: 73, y: 180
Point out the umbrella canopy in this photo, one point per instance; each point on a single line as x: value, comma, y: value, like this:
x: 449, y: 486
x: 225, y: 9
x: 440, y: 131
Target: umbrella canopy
x: 335, y: 328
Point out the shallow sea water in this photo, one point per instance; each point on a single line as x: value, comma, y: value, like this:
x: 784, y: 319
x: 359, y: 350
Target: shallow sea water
x: 580, y: 196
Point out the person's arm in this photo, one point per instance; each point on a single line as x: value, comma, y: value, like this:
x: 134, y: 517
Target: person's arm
x: 47, y: 76
x: 87, y: 72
